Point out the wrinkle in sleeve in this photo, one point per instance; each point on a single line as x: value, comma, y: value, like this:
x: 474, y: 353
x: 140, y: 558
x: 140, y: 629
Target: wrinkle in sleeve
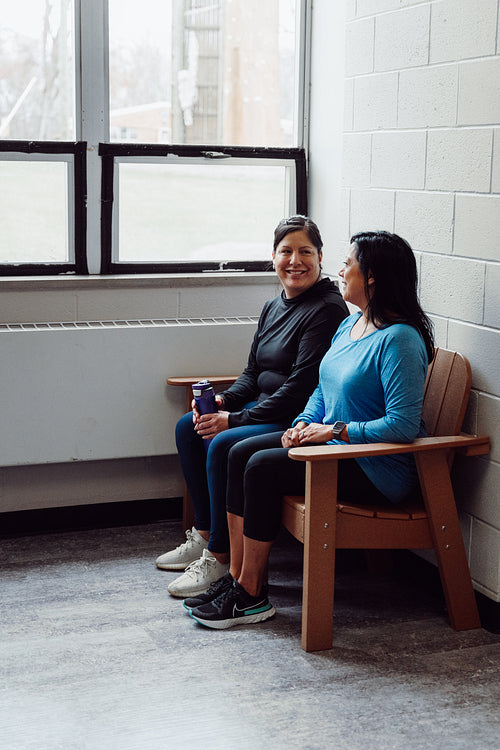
x: 403, y: 373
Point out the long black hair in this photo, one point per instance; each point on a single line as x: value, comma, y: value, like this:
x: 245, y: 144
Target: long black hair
x: 392, y: 297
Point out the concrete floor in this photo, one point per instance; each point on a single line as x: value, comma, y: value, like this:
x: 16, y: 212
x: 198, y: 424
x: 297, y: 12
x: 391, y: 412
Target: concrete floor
x: 95, y: 655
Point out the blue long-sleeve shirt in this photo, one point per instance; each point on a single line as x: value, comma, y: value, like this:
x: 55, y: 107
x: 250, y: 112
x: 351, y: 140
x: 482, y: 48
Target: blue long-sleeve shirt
x: 376, y: 385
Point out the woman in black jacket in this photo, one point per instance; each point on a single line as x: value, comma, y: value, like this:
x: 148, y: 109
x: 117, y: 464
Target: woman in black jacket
x: 294, y: 332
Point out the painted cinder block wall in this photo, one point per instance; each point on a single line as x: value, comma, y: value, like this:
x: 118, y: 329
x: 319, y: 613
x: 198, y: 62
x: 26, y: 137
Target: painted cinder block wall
x: 421, y: 157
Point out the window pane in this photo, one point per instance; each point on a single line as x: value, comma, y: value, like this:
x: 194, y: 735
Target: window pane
x: 37, y: 90
x: 203, y: 71
x: 34, y: 228
x: 170, y: 213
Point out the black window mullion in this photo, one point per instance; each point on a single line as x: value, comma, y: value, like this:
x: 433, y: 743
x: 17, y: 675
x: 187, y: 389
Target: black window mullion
x: 110, y: 151
x: 79, y: 150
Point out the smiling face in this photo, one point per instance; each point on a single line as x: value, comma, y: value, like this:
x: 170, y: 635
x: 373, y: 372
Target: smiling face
x: 297, y: 263
x: 352, y: 280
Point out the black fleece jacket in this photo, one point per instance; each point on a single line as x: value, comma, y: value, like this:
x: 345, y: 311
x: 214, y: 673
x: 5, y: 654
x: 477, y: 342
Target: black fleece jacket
x: 282, y: 371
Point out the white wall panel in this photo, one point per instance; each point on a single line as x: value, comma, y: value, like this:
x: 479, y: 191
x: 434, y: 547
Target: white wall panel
x: 81, y: 394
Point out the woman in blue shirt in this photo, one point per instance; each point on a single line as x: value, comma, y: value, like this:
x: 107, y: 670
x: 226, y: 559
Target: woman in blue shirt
x: 371, y: 387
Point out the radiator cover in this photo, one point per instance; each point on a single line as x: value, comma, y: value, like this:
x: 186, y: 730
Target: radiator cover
x: 96, y: 390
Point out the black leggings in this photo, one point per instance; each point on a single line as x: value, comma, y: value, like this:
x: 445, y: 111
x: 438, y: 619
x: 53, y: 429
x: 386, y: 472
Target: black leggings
x: 260, y: 473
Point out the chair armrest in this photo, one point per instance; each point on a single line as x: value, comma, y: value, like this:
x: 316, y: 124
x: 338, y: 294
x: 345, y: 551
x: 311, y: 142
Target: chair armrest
x: 471, y: 445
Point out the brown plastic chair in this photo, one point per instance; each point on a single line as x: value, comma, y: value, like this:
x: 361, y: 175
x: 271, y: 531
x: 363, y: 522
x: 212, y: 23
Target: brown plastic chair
x: 220, y: 382
x: 324, y: 525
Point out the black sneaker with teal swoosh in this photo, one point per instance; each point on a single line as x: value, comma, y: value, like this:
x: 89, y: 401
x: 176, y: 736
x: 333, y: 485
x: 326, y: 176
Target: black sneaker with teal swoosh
x: 214, y: 590
x: 233, y: 607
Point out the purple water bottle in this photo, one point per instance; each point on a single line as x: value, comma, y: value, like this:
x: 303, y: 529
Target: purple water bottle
x: 204, y: 397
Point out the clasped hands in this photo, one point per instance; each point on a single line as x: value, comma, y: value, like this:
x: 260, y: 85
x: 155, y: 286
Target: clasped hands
x: 303, y: 434
x: 209, y: 425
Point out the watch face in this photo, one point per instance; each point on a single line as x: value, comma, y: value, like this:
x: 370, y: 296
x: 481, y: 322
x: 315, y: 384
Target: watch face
x: 338, y: 426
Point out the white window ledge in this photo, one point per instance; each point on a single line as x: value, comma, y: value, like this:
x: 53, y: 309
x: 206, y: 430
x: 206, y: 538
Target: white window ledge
x: 134, y: 281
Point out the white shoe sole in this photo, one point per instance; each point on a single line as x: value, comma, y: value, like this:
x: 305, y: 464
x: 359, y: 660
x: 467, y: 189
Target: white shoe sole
x: 244, y: 620
x: 187, y: 593
x: 174, y: 566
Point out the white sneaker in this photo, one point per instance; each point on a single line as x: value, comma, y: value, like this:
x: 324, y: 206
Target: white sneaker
x: 198, y: 576
x: 182, y: 556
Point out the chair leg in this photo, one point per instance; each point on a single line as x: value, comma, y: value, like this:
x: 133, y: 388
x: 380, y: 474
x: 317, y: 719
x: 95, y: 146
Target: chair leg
x: 448, y: 542
x: 319, y: 556
x: 187, y: 510
x: 187, y: 505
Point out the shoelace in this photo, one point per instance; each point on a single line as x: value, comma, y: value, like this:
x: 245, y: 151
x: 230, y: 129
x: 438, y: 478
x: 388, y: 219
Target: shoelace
x: 215, y: 585
x: 222, y: 598
x: 199, y: 567
x: 190, y: 540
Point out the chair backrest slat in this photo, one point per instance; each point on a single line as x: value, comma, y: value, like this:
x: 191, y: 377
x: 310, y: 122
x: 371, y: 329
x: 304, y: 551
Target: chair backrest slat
x: 446, y: 393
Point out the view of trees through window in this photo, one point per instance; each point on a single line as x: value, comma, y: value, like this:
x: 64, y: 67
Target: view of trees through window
x: 37, y: 70
x: 195, y: 72
x: 207, y: 71
x: 181, y: 71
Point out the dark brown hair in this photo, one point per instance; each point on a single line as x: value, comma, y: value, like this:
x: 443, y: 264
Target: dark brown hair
x: 296, y: 224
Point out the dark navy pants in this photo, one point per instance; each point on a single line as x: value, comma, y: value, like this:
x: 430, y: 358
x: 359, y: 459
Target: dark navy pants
x: 205, y: 473
x: 260, y: 473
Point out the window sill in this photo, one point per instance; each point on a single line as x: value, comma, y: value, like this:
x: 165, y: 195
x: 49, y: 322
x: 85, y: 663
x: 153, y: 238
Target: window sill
x: 135, y: 281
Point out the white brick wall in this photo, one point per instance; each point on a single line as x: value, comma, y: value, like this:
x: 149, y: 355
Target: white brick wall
x: 376, y: 98
x: 479, y: 92
x: 495, y: 171
x: 452, y: 288
x: 436, y: 103
x: 373, y: 208
x: 426, y: 220
x: 398, y: 159
x: 357, y: 159
x: 492, y: 295
x: 459, y: 159
x: 421, y: 157
x: 462, y: 29
x: 477, y: 226
x: 402, y: 38
x: 359, y: 47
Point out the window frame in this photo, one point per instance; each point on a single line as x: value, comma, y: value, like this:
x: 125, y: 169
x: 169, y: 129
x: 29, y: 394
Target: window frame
x: 110, y: 152
x: 77, y: 211
x: 93, y: 154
